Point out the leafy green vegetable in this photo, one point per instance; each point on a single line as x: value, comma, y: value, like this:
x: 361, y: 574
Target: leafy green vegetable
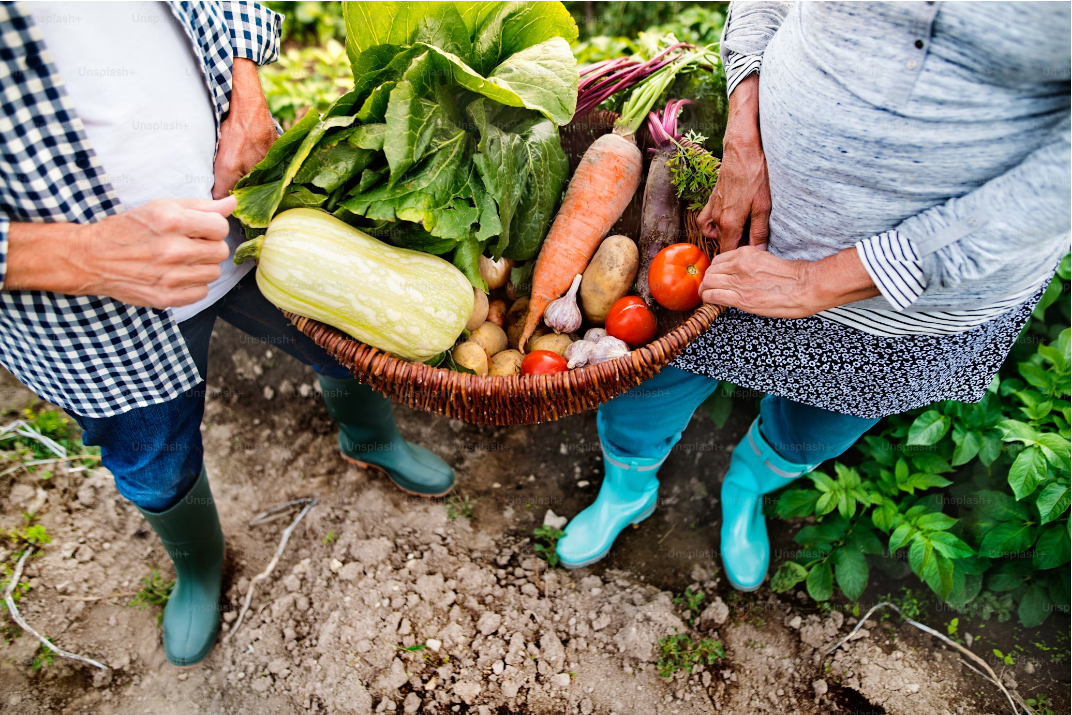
x: 448, y: 141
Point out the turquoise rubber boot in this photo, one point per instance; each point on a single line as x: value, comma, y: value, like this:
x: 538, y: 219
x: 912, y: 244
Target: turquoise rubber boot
x: 191, y: 533
x: 628, y: 495
x: 755, y: 469
x: 368, y: 436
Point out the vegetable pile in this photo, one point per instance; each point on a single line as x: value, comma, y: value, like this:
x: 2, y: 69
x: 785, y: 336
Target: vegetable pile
x: 448, y: 143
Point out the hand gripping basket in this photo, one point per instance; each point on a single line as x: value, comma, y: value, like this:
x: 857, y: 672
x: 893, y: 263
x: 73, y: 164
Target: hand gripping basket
x: 521, y: 399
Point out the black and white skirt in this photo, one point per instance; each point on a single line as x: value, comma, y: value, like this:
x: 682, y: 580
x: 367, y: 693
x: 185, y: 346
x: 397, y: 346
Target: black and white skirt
x: 838, y: 368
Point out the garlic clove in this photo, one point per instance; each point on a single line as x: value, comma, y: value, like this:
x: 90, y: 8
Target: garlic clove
x: 594, y: 335
x: 608, y: 348
x: 563, y: 315
x: 577, y: 353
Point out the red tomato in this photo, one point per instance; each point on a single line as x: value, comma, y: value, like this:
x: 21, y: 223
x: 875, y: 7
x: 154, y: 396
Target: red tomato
x: 630, y: 320
x: 543, y: 362
x: 675, y: 275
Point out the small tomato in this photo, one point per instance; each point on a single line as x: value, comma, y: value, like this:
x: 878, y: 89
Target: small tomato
x: 675, y: 275
x: 542, y: 362
x: 631, y: 321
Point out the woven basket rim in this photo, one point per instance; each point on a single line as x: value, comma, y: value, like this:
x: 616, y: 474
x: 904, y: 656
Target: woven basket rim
x: 381, y: 362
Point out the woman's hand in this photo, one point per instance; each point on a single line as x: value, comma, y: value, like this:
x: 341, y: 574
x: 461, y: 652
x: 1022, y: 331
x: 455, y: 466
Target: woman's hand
x: 248, y: 131
x: 757, y: 282
x: 742, y: 193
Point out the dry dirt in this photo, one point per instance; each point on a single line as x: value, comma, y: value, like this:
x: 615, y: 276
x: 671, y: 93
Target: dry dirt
x: 370, y: 573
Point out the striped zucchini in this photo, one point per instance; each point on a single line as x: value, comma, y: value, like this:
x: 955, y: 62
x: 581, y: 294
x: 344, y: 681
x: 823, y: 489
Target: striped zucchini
x: 411, y: 304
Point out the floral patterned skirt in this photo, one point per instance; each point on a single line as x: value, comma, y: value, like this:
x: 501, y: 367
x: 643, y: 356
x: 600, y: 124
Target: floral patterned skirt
x: 838, y: 368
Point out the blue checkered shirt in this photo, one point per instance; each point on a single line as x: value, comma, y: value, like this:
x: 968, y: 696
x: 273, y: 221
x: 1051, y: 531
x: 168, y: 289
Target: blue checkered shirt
x: 90, y: 354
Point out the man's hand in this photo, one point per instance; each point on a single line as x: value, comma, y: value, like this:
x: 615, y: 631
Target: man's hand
x: 742, y: 193
x: 757, y: 282
x: 162, y: 254
x: 248, y: 131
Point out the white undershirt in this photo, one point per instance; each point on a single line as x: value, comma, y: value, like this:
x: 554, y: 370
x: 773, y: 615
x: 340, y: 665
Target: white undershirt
x: 134, y: 80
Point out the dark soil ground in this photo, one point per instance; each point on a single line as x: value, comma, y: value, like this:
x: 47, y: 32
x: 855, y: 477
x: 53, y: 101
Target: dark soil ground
x: 371, y: 572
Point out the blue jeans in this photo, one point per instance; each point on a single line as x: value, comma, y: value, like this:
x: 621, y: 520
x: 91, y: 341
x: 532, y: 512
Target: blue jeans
x: 155, y: 452
x: 643, y: 422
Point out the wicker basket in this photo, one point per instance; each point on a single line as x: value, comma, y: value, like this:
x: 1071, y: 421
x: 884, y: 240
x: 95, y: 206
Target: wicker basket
x: 522, y: 399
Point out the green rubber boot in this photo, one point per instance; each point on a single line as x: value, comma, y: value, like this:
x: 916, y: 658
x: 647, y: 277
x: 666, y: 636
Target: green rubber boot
x: 191, y: 533
x: 368, y: 436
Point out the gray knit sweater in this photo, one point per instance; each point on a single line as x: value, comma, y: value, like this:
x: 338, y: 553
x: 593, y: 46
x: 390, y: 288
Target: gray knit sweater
x: 932, y: 136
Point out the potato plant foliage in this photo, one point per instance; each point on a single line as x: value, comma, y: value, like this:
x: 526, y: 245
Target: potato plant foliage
x: 1003, y: 464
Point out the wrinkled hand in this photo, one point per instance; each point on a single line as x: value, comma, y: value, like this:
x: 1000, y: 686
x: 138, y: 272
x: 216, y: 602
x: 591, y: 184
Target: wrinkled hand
x: 757, y: 282
x: 742, y: 192
x: 246, y: 134
x: 162, y: 254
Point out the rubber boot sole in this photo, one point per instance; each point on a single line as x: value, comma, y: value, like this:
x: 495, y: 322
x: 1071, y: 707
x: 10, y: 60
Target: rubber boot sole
x: 598, y: 557
x: 738, y: 587
x: 369, y: 465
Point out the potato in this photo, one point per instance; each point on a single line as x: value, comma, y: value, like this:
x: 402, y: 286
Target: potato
x: 506, y: 363
x: 480, y: 310
x: 517, y: 310
x: 555, y: 342
x: 472, y: 356
x: 608, y: 277
x: 490, y: 337
x: 497, y: 313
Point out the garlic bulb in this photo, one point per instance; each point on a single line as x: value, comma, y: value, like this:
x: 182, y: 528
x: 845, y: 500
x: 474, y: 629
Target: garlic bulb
x: 563, y: 315
x: 594, y: 335
x: 495, y: 273
x: 608, y: 348
x: 577, y: 353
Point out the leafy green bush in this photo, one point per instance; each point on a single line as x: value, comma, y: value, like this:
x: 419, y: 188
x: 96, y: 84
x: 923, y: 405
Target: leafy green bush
x: 307, y: 78
x: 310, y: 22
x: 1003, y: 462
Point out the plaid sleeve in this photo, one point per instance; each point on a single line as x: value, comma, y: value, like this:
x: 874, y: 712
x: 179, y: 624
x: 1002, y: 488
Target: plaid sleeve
x: 892, y: 262
x: 4, y: 225
x: 254, y: 30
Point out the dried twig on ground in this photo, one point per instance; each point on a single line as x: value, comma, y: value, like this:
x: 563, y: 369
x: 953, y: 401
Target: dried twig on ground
x: 9, y: 599
x: 989, y: 674
x: 260, y: 519
x: 39, y: 462
x: 23, y: 429
x: 117, y: 594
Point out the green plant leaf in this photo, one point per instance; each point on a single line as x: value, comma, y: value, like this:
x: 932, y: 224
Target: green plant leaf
x: 882, y: 517
x: 1016, y: 431
x: 283, y: 147
x: 511, y: 27
x: 1034, y: 607
x: 967, y: 448
x: 922, y: 480
x: 1053, y: 501
x: 928, y: 429
x: 788, y: 575
x: 1027, y: 470
x: 991, y: 447
x: 938, y: 574
x: 850, y: 567
x: 820, y: 581
x: 900, y: 536
x: 257, y: 204
x: 796, y: 502
x: 369, y: 24
x: 935, y: 521
x: 1052, y: 548
x: 949, y: 545
x: 1008, y: 537
x: 1056, y: 449
x: 931, y: 463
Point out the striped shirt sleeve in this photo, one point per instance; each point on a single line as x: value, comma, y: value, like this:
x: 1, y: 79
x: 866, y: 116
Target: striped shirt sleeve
x: 738, y: 67
x: 892, y: 262
x: 5, y: 224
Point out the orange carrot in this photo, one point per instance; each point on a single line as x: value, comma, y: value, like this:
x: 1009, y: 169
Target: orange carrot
x: 601, y: 188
